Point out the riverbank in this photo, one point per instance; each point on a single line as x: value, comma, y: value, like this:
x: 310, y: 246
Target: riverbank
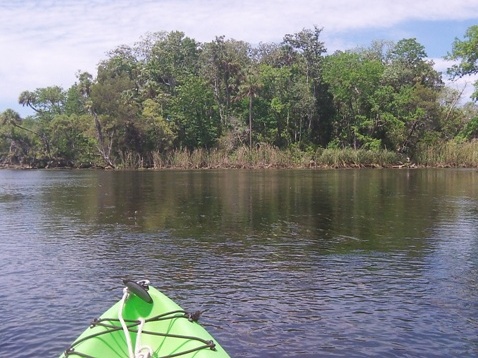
x: 270, y: 157
x: 448, y: 155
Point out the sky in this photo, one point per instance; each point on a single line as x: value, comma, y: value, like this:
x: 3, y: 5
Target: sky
x: 46, y: 42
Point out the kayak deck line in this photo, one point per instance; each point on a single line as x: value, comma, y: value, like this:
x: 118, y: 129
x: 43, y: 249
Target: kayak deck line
x: 153, y: 326
x: 134, y: 323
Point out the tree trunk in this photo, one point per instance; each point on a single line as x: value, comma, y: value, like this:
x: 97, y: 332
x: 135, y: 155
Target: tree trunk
x: 105, y: 153
x: 250, y: 122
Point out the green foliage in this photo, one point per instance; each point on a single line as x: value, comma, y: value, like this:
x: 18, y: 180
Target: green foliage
x: 466, y: 52
x: 170, y: 99
x: 354, y: 82
x: 45, y: 102
x: 470, y: 131
x: 453, y: 153
x: 70, y: 140
x: 196, y: 121
x: 407, y: 65
x: 159, y: 133
x: 173, y: 58
x: 221, y: 65
x: 340, y: 158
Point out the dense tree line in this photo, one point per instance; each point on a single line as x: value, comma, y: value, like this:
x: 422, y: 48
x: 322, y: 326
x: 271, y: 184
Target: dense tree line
x: 169, y: 92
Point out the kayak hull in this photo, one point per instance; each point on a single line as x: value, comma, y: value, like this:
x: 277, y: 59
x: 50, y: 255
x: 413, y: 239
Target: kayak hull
x: 167, y: 331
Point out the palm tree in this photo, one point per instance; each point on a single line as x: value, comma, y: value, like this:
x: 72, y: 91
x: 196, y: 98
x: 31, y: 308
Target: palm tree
x: 11, y: 117
x: 28, y: 98
x: 250, y: 88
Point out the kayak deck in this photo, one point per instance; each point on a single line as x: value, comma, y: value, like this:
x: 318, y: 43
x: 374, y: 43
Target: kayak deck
x: 163, y: 327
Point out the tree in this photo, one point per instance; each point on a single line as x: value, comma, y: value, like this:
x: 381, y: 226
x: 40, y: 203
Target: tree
x: 354, y: 81
x: 249, y: 88
x: 306, y: 42
x: 115, y: 105
x: 158, y: 131
x: 11, y: 119
x: 466, y: 52
x: 407, y: 65
x: 28, y: 98
x: 70, y: 138
x: 469, y: 130
x: 417, y: 88
x: 419, y: 111
x: 172, y: 58
x: 78, y: 99
x: 277, y: 90
x: 46, y: 102
x: 222, y: 62
x: 195, y: 116
x: 453, y: 116
x: 308, y: 52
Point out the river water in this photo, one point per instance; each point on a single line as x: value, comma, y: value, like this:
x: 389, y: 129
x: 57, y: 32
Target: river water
x: 287, y: 263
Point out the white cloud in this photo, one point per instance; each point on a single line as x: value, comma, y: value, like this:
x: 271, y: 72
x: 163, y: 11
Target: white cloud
x: 44, y: 42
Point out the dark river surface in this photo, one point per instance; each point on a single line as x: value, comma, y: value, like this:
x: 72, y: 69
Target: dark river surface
x: 287, y: 263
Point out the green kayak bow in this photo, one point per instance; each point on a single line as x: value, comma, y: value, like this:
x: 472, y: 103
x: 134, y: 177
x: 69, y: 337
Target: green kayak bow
x: 145, y: 323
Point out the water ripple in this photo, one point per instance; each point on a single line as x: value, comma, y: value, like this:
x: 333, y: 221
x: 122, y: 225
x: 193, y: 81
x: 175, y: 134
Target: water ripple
x: 286, y: 289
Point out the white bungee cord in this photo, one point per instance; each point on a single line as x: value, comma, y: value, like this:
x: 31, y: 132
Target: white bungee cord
x: 139, y: 352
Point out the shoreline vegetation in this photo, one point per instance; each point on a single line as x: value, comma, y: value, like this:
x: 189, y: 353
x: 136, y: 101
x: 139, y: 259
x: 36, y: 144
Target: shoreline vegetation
x: 447, y: 155
x: 169, y: 101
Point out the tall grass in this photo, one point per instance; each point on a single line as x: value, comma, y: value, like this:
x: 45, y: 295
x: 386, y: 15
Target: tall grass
x: 450, y: 154
x: 267, y: 156
x: 453, y: 154
x: 348, y: 157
